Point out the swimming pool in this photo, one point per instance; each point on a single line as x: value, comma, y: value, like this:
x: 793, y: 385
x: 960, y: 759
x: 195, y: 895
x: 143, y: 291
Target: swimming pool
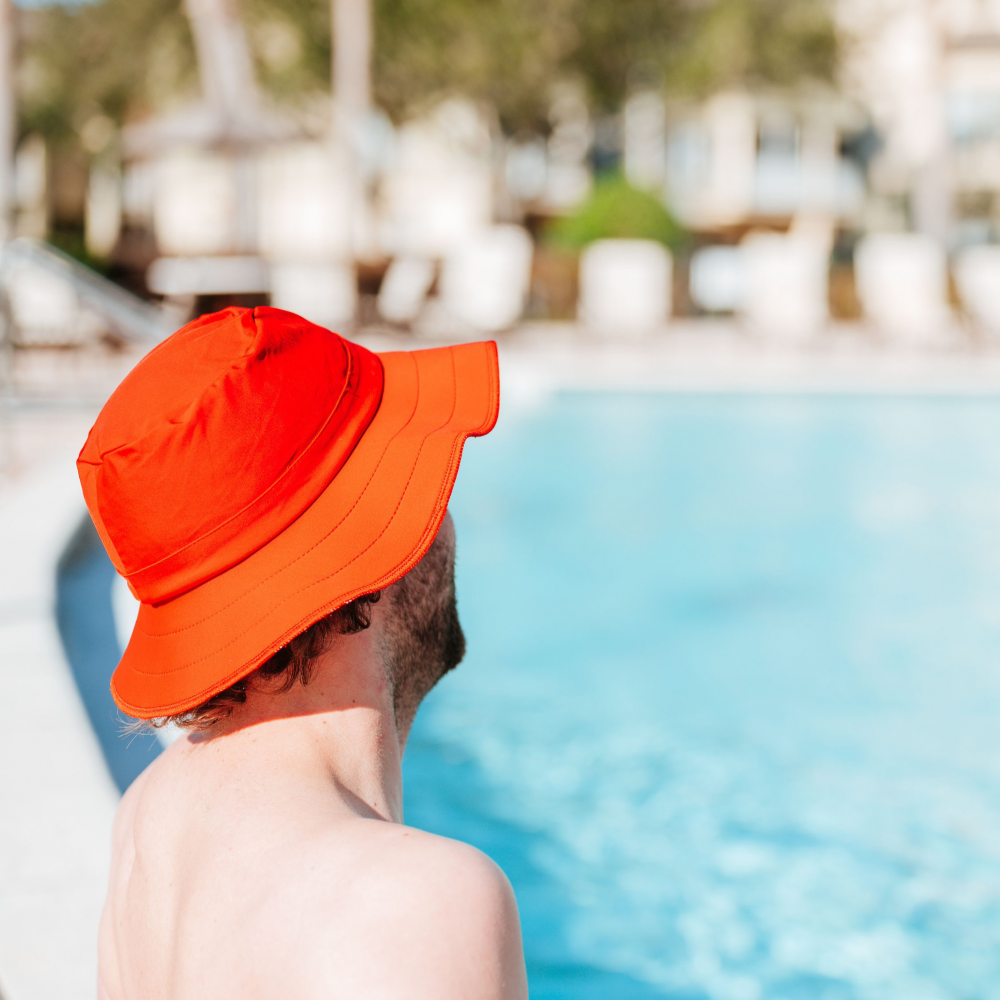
x: 730, y: 718
x: 729, y: 714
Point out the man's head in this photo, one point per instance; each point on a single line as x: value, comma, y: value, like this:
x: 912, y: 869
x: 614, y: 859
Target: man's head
x: 419, y: 640
x: 254, y: 471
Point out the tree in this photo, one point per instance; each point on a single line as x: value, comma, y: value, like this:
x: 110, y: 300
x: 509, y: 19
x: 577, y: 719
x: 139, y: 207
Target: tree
x: 126, y: 57
x: 120, y: 58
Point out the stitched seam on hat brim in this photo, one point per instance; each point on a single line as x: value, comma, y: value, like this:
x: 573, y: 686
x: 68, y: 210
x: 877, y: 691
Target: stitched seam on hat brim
x: 390, y: 576
x: 274, y: 485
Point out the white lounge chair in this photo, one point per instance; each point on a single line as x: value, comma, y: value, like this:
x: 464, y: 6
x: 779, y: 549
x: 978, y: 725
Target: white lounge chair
x: 485, y: 282
x: 786, y: 293
x: 977, y: 275
x: 326, y: 294
x: 404, y: 289
x: 625, y: 288
x: 45, y: 309
x: 902, y: 282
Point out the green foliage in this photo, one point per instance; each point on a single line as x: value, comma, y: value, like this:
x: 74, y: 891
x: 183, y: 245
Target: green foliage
x: 128, y: 57
x: 121, y: 58
x: 511, y: 52
x: 618, y: 41
x: 70, y: 239
x: 739, y: 42
x: 505, y: 52
x: 290, y: 40
x: 616, y: 210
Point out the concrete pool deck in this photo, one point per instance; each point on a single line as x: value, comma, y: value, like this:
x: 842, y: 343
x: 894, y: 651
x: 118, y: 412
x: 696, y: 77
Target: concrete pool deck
x: 719, y: 357
x: 58, y: 797
x: 59, y: 800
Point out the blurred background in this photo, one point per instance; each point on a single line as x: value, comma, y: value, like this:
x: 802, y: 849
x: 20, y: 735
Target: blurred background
x: 730, y: 563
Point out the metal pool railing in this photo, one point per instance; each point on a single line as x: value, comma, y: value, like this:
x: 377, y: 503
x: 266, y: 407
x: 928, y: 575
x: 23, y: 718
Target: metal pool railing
x: 129, y: 316
x: 48, y: 299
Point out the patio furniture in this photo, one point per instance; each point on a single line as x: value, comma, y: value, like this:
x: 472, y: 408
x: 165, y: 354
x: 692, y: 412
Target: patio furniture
x: 324, y: 293
x: 786, y: 290
x: 404, y: 289
x: 485, y: 281
x: 625, y: 288
x: 977, y: 275
x: 902, y: 282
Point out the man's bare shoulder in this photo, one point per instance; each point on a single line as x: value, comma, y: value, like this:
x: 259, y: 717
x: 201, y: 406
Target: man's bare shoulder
x: 143, y: 800
x: 433, y: 917
x: 311, y: 902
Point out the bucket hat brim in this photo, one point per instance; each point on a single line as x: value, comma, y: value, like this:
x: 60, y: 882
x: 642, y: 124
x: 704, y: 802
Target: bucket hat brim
x: 369, y: 527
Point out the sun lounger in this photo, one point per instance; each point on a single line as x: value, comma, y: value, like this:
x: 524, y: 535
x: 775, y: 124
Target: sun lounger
x: 404, y: 289
x: 324, y: 293
x: 786, y: 293
x: 902, y: 282
x: 977, y: 275
x: 485, y: 282
x: 625, y: 288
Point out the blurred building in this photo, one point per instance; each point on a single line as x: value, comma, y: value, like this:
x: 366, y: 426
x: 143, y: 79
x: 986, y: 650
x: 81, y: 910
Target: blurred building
x: 928, y: 71
x: 245, y: 203
x: 741, y: 160
x: 229, y: 198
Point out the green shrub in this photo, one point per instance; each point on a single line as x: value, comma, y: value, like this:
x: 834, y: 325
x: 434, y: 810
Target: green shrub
x: 616, y: 210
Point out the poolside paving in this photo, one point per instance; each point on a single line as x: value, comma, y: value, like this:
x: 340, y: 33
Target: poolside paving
x: 719, y: 356
x: 58, y: 798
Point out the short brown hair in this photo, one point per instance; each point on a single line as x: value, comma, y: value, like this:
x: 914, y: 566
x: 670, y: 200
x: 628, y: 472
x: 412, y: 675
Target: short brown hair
x: 291, y: 663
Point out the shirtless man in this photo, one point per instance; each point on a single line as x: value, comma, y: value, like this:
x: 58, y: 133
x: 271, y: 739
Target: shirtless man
x: 264, y: 854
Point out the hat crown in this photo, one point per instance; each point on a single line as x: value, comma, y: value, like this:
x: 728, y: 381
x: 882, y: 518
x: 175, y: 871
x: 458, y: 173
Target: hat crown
x: 220, y: 438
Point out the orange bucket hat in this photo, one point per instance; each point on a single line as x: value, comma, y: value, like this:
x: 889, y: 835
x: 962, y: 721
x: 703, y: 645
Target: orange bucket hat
x: 254, y: 472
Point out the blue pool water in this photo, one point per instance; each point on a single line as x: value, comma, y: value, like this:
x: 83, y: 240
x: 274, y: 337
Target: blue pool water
x: 730, y: 718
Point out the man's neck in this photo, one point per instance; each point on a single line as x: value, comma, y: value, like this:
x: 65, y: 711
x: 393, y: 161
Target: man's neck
x: 337, y: 731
